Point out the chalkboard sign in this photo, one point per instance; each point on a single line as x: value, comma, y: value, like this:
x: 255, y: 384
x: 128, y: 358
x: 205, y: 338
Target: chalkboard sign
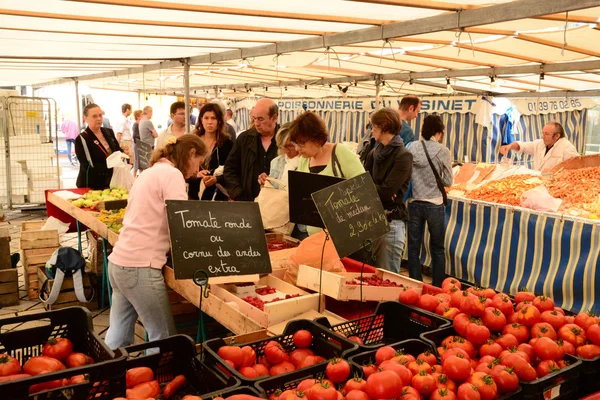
x: 352, y: 212
x: 222, y: 238
x: 144, y: 153
x: 301, y: 187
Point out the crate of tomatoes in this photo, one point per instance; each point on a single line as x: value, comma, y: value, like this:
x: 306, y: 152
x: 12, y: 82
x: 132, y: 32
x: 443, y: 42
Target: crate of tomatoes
x: 415, y: 362
x: 60, y: 351
x: 303, y: 344
x: 391, y: 323
x: 170, y: 368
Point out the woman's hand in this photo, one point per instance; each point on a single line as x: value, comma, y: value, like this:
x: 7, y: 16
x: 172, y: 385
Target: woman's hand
x: 262, y: 178
x: 209, y: 180
x: 202, y: 174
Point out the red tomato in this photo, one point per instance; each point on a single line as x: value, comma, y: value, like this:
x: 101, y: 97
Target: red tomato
x: 338, y: 370
x: 451, y: 312
x: 592, y: 333
x: 486, y: 368
x: 507, y: 341
x: 588, y: 351
x: 302, y: 339
x: 488, y: 360
x: 527, y: 349
x: 441, y: 308
x: 404, y: 359
x: 522, y: 368
x: 569, y: 319
x: 35, y: 365
x: 572, y: 333
x: 490, y: 348
x: 543, y: 303
x: 323, y: 391
x: 546, y: 367
x: 424, y: 383
x: 450, y: 281
x: 419, y: 365
x: 9, y: 365
x: 485, y: 384
x: 261, y: 370
x: 249, y: 372
x: 428, y: 357
x: 357, y: 340
x: 384, y: 353
x: 355, y: 383
x: 249, y: 357
x: 369, y: 370
x: 460, y: 323
x: 519, y: 331
x: 528, y: 316
x: 282, y: 368
x: 48, y: 385
x: 274, y: 353
x: 311, y: 360
x: 443, y: 394
x: 524, y: 296
x: 457, y: 297
x: 543, y: 329
x: 460, y: 342
x: 357, y: 395
x: 514, y: 350
x: 290, y: 395
x: 567, y: 347
x: 74, y: 380
x: 427, y: 302
x: 138, y: 375
x: 233, y: 354
x: 454, y: 351
x: 474, y: 306
x: 503, y: 303
x: 306, y: 385
x: 59, y: 348
x: 408, y: 296
x: 384, y: 385
x: 506, y: 380
x: 477, y: 333
x: 466, y: 391
x: 494, y: 319
x: 409, y: 393
x: 78, y: 360
x: 442, y: 382
x: 299, y: 355
x: 586, y: 319
x: 401, y: 370
x: 457, y: 367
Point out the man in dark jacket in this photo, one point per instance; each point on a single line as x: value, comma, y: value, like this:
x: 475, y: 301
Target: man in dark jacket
x: 252, y: 153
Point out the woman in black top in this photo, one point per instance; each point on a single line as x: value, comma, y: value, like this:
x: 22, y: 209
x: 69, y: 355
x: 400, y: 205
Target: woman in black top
x: 210, y: 127
x: 100, y: 143
x: 390, y: 165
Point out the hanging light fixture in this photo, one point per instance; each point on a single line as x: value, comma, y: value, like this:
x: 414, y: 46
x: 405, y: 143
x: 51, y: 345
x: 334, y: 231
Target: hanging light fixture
x: 449, y: 88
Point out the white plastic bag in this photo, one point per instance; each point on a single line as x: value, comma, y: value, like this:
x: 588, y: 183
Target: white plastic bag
x: 121, y: 178
x: 539, y: 199
x: 53, y: 223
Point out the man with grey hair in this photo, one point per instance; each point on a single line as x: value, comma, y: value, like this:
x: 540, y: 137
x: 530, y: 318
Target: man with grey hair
x: 229, y: 119
x: 147, y: 131
x: 549, y: 151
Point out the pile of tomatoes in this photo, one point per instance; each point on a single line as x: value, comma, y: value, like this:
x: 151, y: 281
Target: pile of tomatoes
x: 527, y: 333
x: 57, y: 355
x: 275, y: 361
x: 260, y: 304
x: 373, y: 281
x: 140, y: 384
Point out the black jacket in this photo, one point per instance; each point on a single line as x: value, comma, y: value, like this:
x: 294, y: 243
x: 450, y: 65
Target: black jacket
x: 217, y: 158
x: 240, y: 164
x: 97, y: 177
x: 393, y: 179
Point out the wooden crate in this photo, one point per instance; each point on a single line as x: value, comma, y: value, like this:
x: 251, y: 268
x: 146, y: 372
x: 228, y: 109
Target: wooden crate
x: 280, y: 237
x: 335, y: 284
x: 32, y: 237
x: 276, y: 312
x: 67, y: 296
x: 96, y: 252
x: 9, y: 287
x: 33, y: 260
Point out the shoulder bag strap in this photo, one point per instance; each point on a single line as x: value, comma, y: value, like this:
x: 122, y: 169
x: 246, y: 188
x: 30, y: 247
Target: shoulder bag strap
x: 438, y: 180
x: 335, y: 163
x: 86, y: 149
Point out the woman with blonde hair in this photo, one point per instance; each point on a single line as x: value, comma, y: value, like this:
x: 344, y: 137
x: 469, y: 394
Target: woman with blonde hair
x: 135, y: 265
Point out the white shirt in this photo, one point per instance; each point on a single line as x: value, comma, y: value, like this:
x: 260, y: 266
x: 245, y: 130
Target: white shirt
x: 161, y: 141
x: 123, y: 125
x: 561, y: 151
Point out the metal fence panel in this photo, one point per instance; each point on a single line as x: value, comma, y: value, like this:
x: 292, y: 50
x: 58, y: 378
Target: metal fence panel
x: 30, y: 145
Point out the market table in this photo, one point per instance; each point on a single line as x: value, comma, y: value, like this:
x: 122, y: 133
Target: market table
x: 508, y: 248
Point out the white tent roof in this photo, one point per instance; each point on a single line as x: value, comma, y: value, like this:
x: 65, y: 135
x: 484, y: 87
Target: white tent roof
x: 52, y: 40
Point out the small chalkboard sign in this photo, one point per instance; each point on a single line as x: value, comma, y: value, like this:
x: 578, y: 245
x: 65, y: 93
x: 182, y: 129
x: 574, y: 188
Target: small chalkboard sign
x: 301, y: 187
x: 222, y: 238
x: 144, y: 153
x: 352, y: 212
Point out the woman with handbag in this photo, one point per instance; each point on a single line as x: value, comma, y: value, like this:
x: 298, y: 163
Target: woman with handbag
x: 390, y: 165
x: 309, y: 136
x: 432, y: 171
x: 286, y: 161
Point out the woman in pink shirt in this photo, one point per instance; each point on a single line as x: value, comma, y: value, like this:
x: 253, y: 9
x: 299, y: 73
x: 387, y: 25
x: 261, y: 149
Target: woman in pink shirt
x: 135, y: 265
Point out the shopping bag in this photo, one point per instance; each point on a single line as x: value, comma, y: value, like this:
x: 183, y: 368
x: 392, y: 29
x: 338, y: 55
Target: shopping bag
x: 274, y: 207
x: 122, y: 177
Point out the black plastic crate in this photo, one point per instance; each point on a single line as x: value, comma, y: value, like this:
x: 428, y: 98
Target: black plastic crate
x: 562, y: 384
x: 249, y: 390
x: 413, y: 347
x: 74, y: 323
x: 291, y: 380
x: 176, y: 355
x: 589, y: 381
x: 391, y: 323
x: 325, y: 343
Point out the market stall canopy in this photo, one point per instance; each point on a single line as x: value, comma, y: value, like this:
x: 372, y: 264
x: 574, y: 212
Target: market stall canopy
x: 294, y: 47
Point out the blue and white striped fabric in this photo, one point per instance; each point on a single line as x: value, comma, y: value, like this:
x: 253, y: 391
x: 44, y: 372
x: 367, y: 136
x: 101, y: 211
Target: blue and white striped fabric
x: 508, y: 249
x: 464, y: 137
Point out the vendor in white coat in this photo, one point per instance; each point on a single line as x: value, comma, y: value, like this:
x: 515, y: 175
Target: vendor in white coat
x: 549, y: 151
